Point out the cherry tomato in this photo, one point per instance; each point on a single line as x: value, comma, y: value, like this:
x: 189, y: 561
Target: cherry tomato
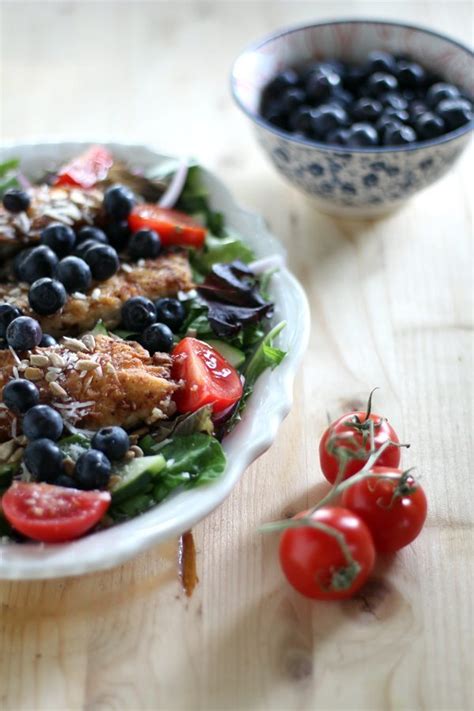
x: 173, y: 227
x: 393, y: 509
x: 208, y: 378
x: 87, y: 169
x: 314, y: 562
x: 52, y: 514
x: 355, y: 426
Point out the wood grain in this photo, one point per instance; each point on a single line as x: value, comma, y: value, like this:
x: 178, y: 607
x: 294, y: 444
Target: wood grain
x: 391, y: 306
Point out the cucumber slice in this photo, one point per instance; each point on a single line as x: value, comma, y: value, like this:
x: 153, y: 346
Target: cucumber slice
x: 233, y: 355
x: 135, y: 476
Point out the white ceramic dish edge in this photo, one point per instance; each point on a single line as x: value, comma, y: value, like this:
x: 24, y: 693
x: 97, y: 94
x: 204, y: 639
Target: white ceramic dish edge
x: 272, y: 396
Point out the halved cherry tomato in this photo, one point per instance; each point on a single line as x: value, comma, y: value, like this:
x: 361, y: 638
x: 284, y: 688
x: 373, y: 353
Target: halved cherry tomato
x: 351, y: 431
x: 87, y: 169
x: 393, y: 509
x: 53, y: 514
x: 173, y: 227
x: 314, y: 562
x: 208, y: 378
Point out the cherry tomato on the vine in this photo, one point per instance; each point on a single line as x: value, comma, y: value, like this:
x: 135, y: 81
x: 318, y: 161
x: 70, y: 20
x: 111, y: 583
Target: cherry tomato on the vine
x: 351, y: 432
x: 393, y: 509
x: 314, y: 561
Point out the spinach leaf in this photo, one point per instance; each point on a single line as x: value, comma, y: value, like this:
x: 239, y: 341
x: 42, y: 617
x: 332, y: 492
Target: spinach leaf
x: 188, y: 424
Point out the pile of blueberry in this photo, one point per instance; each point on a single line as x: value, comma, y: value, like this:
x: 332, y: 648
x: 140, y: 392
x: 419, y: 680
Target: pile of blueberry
x: 153, y: 324
x: 388, y: 101
x: 65, y: 262
x: 43, y: 427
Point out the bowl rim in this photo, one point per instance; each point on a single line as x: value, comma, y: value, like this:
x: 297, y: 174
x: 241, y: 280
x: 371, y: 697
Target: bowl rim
x: 252, y: 47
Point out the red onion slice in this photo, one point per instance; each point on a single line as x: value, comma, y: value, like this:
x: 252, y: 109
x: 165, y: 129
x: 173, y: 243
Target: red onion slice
x: 171, y: 196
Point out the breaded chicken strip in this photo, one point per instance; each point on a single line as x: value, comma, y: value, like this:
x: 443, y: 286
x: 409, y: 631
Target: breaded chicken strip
x: 153, y: 278
x: 93, y: 382
x: 70, y: 206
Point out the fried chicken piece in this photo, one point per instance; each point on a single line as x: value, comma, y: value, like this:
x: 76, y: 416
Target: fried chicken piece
x: 69, y: 205
x: 153, y: 278
x: 93, y: 382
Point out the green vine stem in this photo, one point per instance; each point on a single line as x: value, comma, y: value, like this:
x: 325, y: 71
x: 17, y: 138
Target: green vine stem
x: 364, y: 473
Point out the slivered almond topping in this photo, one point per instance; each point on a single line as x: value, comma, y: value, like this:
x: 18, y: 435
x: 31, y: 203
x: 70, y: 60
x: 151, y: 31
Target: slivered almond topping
x: 33, y: 374
x: 95, y: 296
x: 86, y: 365
x: 89, y: 341
x: 6, y: 450
x: 39, y: 360
x: 110, y: 368
x: 57, y: 390
x: 57, y: 360
x: 16, y: 456
x: 129, y: 455
x: 51, y: 376
x: 138, y: 451
x: 74, y: 344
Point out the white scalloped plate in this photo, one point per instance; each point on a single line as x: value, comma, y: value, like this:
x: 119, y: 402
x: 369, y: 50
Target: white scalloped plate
x: 268, y: 406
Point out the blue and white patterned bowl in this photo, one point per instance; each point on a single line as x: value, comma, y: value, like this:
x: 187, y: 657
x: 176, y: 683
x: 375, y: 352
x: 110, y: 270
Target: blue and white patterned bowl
x: 353, y: 181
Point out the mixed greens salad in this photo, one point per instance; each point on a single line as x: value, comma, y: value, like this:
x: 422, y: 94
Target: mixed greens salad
x: 224, y: 331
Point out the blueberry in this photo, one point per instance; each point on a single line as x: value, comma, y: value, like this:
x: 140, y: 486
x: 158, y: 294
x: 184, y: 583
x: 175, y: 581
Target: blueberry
x: 118, y: 233
x: 301, y: 119
x: 157, y: 338
x: 118, y: 202
x: 367, y: 109
x: 47, y: 341
x: 83, y: 247
x: 60, y: 238
x: 339, y: 137
x: 379, y: 61
x: 138, y: 313
x: 92, y: 233
x: 24, y: 333
x: 384, y: 121
x: 20, y: 395
x: 92, y: 470
x: 74, y: 274
x: 333, y: 65
x: 429, y: 125
x: 342, y: 97
x: 170, y: 312
x: 394, y: 100
x: 43, y: 459
x: 103, y: 261
x: 327, y: 118
x: 320, y: 85
x: 416, y: 109
x: 65, y: 481
x: 291, y: 99
x: 380, y: 83
x: 455, y: 112
x: 7, y: 314
x: 35, y: 264
x: 354, y: 77
x: 398, y: 135
x: 144, y: 244
x: 41, y: 421
x: 47, y: 296
x: 439, y: 92
x: 410, y: 74
x: 278, y: 118
x: 114, y: 442
x: 16, y: 200
x: 397, y: 114
x: 283, y: 80
x: 362, y: 134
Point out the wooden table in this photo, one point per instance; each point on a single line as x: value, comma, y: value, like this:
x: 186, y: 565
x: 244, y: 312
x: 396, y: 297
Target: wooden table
x: 391, y: 306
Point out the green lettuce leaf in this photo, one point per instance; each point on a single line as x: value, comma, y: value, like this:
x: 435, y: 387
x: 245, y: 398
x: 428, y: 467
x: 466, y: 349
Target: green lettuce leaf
x: 188, y: 424
x: 221, y: 250
x: 265, y: 356
x: 9, y: 175
x: 195, y: 199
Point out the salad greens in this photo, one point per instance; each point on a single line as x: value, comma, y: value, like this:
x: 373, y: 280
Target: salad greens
x: 230, y: 309
x: 9, y: 175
